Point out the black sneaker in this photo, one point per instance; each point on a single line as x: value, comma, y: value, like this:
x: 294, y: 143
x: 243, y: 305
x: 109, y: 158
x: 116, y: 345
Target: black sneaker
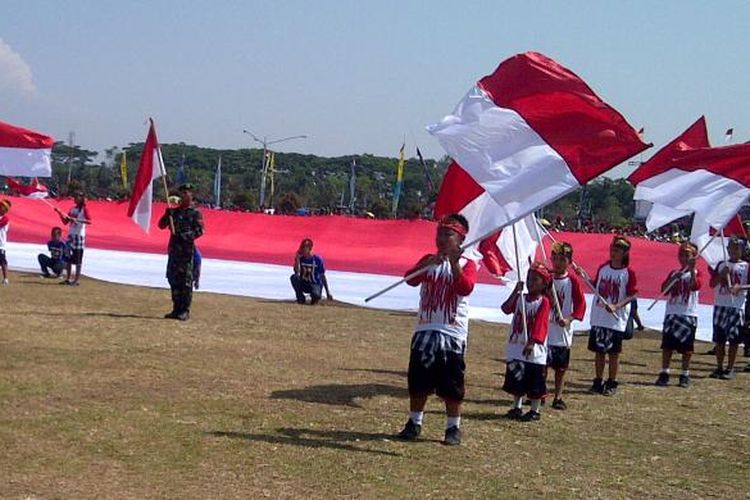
x: 514, y: 414
x: 684, y: 381
x: 746, y: 369
x: 531, y: 416
x: 610, y: 388
x: 559, y: 404
x: 452, y: 436
x: 711, y: 352
x: 410, y: 432
x: 663, y: 380
x: 728, y: 375
x: 172, y: 315
x: 597, y: 387
x: 717, y: 373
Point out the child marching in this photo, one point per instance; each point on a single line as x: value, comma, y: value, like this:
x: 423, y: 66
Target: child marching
x: 572, y: 302
x: 729, y: 281
x: 526, y: 353
x: 4, y: 226
x: 616, y: 286
x: 76, y: 219
x: 436, y: 361
x: 681, y: 315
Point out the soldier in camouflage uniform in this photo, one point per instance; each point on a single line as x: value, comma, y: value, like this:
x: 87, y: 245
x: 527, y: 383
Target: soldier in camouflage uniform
x: 188, y: 225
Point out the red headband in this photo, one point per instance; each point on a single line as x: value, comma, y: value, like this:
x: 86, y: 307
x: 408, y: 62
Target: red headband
x: 453, y: 226
x: 542, y: 271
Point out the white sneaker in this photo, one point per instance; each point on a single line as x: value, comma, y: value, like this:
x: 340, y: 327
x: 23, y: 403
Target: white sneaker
x: 6, y: 282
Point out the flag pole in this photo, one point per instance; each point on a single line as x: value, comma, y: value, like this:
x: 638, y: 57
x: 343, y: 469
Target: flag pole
x: 676, y: 278
x: 555, y: 298
x: 523, y: 300
x: 724, y: 251
x: 164, y: 181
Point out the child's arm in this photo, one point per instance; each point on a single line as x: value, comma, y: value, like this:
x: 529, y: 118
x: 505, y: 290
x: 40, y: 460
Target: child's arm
x: 427, y: 260
x: 579, y: 301
x: 509, y: 306
x: 717, y: 275
x: 63, y: 218
x: 325, y: 285
x: 464, y: 278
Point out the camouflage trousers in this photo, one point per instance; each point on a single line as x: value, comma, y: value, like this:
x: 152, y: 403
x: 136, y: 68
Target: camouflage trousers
x: 182, y: 296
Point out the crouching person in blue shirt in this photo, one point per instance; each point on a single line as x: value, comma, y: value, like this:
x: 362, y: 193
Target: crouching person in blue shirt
x: 309, y: 275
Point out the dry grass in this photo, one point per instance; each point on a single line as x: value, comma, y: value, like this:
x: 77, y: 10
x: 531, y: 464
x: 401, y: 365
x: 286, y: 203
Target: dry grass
x: 101, y: 398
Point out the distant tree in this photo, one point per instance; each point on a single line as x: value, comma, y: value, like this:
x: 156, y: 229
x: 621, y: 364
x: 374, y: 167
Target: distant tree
x: 289, y: 203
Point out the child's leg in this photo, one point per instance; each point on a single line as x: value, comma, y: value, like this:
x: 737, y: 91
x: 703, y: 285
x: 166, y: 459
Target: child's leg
x: 417, y: 402
x: 732, y: 355
x: 78, y: 272
x: 5, y: 271
x: 720, y: 355
x: 559, y: 383
x: 666, y: 358
x: 614, y: 365
x: 599, y: 361
x: 68, y: 270
x: 686, y: 362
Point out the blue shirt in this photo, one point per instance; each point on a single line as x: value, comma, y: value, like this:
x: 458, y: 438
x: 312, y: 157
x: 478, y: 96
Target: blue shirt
x: 311, y: 269
x: 57, y: 250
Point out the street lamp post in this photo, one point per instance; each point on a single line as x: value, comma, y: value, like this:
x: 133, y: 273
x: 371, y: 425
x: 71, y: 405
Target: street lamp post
x: 264, y: 161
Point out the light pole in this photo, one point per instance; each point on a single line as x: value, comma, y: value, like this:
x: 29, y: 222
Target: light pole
x: 263, y: 162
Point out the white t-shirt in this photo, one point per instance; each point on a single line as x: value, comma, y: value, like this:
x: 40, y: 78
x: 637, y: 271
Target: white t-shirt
x: 77, y: 228
x: 572, y: 303
x: 441, y: 308
x: 614, y: 285
x: 738, y: 272
x: 537, y: 324
x: 683, y: 300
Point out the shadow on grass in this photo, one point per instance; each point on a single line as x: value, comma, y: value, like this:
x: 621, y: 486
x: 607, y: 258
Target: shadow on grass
x: 340, y: 394
x: 398, y: 373
x: 309, y: 438
x: 57, y: 314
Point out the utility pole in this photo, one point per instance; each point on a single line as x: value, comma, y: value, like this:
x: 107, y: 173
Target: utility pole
x: 264, y: 160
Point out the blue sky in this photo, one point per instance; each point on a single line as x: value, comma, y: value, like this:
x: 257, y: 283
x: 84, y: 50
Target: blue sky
x: 355, y: 76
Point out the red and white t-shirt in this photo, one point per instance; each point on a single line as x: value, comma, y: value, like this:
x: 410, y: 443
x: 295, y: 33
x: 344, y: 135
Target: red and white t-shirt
x: 683, y: 296
x: 614, y: 285
x: 738, y: 272
x: 572, y: 304
x: 537, y: 328
x: 444, y: 301
x: 78, y: 228
x: 4, y: 226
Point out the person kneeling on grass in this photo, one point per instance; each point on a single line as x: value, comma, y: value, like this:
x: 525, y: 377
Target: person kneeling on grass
x: 55, y: 261
x: 436, y: 360
x: 572, y: 303
x: 681, y: 314
x: 309, y: 275
x: 526, y: 354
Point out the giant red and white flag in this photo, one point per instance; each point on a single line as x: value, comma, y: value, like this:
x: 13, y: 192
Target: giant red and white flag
x: 713, y: 183
x: 150, y: 168
x: 524, y: 136
x: 24, y: 153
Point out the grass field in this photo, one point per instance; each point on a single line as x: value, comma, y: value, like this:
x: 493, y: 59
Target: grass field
x: 100, y: 397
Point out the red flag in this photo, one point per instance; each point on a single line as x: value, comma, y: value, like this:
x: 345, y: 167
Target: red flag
x: 24, y: 152
x: 150, y: 168
x: 35, y: 190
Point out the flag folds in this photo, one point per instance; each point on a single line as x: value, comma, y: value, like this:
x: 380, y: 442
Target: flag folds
x: 150, y: 168
x: 24, y: 153
x: 36, y: 190
x: 523, y: 137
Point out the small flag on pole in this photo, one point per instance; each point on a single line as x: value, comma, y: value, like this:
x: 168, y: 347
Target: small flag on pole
x: 217, y: 185
x: 426, y: 170
x: 399, y: 180
x: 728, y: 135
x: 352, y: 186
x: 124, y: 169
x: 181, y: 177
x: 150, y: 168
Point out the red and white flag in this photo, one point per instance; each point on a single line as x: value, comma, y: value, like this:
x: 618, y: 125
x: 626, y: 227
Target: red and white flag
x: 150, y: 168
x: 524, y: 136
x: 24, y: 153
x: 36, y: 190
x: 713, y: 183
x: 695, y: 136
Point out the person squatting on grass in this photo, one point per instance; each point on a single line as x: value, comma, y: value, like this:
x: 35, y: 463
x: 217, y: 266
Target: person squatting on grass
x: 76, y: 219
x: 526, y: 353
x: 54, y: 263
x: 572, y: 302
x: 436, y: 361
x: 616, y: 283
x: 729, y: 281
x: 681, y: 314
x: 4, y: 226
x: 188, y: 226
x: 309, y: 274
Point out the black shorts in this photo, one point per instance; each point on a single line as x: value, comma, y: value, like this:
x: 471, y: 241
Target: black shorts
x: 727, y: 325
x: 605, y: 340
x: 76, y: 256
x: 678, y: 333
x: 525, y: 379
x: 435, y: 367
x: 3, y: 259
x: 558, y: 357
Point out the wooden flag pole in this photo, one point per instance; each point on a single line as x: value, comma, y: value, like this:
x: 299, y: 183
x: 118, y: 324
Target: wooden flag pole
x: 523, y: 300
x: 163, y: 172
x: 555, y: 298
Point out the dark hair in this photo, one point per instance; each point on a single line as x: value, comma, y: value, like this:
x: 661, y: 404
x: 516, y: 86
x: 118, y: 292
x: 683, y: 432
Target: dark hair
x: 306, y: 241
x: 458, y: 218
x: 56, y: 229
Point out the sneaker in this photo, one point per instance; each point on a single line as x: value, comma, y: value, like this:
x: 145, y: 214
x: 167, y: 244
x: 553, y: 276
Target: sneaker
x: 452, y: 436
x: 183, y: 316
x: 684, y: 381
x: 597, y: 387
x: 610, y: 388
x: 531, y: 416
x: 172, y: 315
x: 717, y: 373
x: 73, y: 283
x: 747, y: 369
x: 663, y: 380
x: 514, y: 414
x: 559, y: 404
x: 411, y: 431
x: 45, y: 276
x: 728, y: 375
x: 6, y: 282
x: 711, y: 352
